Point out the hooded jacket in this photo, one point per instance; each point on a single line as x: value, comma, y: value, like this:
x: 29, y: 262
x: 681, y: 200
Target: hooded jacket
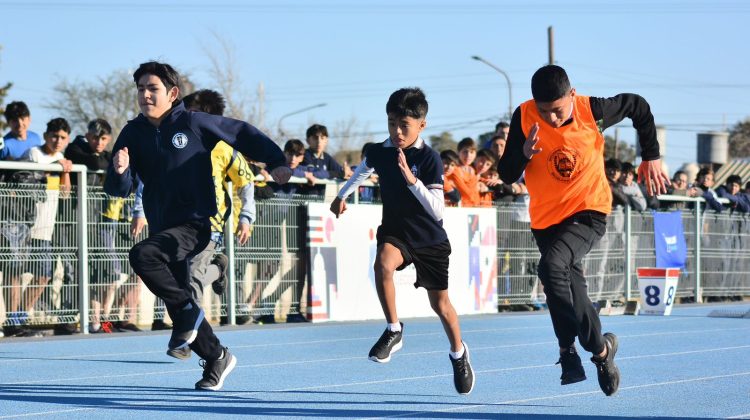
x: 174, y: 162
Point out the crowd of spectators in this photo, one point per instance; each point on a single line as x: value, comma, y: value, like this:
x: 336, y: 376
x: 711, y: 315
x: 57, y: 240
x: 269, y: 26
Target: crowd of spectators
x: 470, y: 173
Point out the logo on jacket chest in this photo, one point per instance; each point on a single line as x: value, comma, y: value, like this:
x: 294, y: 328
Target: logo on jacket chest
x: 179, y: 141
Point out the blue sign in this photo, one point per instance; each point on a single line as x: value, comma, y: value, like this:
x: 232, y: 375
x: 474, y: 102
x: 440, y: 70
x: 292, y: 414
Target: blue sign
x: 669, y: 240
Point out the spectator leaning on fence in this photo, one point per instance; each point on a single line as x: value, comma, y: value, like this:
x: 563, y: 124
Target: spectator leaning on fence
x: 316, y: 158
x: 731, y: 190
x: 613, y: 169
x: 631, y: 189
x: 56, y: 139
x: 678, y: 187
x: 464, y: 177
x: 556, y: 137
x: 16, y: 142
x: 703, y: 187
x: 450, y: 164
x: 91, y: 150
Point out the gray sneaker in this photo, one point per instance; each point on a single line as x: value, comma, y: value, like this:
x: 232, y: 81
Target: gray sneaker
x: 220, y: 284
x: 216, y: 371
x: 182, y: 353
x: 185, y: 326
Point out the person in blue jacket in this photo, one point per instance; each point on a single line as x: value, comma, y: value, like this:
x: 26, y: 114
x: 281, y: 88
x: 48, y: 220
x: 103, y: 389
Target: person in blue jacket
x: 169, y: 149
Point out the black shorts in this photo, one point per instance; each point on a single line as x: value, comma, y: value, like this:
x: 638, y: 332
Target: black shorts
x: 431, y: 262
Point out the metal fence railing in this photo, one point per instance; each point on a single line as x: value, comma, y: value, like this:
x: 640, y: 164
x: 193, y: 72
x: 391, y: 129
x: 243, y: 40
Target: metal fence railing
x: 63, y: 262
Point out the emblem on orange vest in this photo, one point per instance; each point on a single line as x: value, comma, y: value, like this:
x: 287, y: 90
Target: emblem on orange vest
x: 562, y: 163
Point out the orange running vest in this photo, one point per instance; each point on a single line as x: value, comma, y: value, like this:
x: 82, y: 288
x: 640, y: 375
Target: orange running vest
x: 567, y: 176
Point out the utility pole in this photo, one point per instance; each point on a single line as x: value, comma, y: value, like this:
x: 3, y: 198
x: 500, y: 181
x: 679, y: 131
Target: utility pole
x: 551, y: 45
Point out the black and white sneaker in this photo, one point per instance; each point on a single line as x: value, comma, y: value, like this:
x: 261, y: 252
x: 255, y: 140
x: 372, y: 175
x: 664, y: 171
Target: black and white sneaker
x: 606, y: 369
x: 572, y: 369
x: 388, y: 343
x: 220, y: 284
x: 463, y: 374
x: 181, y: 353
x: 214, y: 372
x: 185, y: 326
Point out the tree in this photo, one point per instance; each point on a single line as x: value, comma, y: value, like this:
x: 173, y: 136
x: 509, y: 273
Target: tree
x: 443, y: 141
x: 739, y: 140
x: 625, y: 152
x: 225, y: 72
x: 111, y: 97
x: 3, y: 93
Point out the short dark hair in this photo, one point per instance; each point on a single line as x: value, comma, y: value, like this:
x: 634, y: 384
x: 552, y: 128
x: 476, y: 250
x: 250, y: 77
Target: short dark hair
x: 487, y: 154
x: 613, y: 164
x: 492, y: 140
x: 166, y: 73
x: 99, y: 127
x: 450, y: 156
x: 56, y: 124
x: 16, y: 110
x: 549, y: 83
x: 678, y: 173
x: 734, y: 179
x: 316, y: 129
x: 501, y: 124
x: 206, y: 100
x: 704, y: 171
x: 467, y: 143
x: 628, y: 168
x: 294, y: 147
x: 407, y: 102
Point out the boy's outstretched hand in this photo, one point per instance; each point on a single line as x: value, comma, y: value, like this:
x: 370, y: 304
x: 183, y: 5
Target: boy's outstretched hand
x: 405, y: 171
x: 338, y: 206
x: 529, y: 146
x: 650, y: 173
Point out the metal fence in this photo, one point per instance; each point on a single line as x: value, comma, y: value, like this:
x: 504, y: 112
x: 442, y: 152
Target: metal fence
x: 717, y: 265
x: 60, y: 259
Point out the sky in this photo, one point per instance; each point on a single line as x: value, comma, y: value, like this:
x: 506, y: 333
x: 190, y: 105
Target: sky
x: 688, y: 58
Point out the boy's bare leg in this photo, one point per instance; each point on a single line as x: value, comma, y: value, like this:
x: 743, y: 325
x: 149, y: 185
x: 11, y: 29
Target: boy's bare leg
x: 387, y: 261
x: 442, y: 306
x: 34, y: 292
x: 15, y: 293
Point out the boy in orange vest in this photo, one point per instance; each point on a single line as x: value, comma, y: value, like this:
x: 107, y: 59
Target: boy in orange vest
x: 557, y: 139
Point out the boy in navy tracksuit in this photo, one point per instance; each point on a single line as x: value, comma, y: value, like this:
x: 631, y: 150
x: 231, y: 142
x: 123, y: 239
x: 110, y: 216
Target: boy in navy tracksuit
x: 410, y: 174
x: 169, y: 149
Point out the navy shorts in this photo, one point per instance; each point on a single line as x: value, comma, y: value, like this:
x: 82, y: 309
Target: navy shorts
x: 431, y: 262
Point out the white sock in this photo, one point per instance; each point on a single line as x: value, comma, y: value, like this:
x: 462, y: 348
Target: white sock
x: 223, y: 353
x: 395, y: 327
x: 455, y: 355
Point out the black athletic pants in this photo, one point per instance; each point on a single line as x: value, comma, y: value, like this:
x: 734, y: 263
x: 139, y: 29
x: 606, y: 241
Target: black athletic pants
x: 162, y: 261
x: 563, y: 246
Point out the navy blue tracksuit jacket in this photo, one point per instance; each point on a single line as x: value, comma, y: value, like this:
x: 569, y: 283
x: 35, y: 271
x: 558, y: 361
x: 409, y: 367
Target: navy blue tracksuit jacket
x: 174, y: 162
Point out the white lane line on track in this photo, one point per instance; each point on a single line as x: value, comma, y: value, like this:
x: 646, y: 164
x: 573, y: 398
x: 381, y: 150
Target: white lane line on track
x: 78, y: 356
x: 340, y: 359
x: 574, y: 394
x: 412, y: 378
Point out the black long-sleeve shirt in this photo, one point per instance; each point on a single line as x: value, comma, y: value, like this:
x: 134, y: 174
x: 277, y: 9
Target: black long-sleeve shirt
x: 606, y: 111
